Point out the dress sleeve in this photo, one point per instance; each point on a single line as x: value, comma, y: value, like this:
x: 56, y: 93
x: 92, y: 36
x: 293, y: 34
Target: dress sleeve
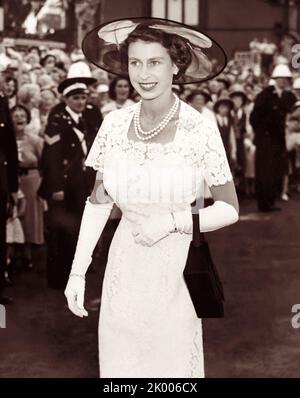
x: 213, y: 159
x: 95, y: 158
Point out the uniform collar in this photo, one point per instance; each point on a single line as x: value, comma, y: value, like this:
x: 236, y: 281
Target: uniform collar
x: 278, y: 91
x: 75, y: 116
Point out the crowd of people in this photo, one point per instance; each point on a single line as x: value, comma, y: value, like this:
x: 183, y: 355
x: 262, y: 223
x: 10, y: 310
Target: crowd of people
x: 57, y: 102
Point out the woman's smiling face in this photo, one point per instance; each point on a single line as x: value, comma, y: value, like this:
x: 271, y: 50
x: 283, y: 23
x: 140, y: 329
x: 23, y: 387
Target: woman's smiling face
x: 150, y: 69
x: 19, y: 119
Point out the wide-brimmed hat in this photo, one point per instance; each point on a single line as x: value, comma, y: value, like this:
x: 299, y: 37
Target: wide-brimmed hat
x: 104, y: 47
x: 202, y: 92
x: 224, y: 99
x: 78, y: 78
x: 238, y: 90
x: 224, y: 79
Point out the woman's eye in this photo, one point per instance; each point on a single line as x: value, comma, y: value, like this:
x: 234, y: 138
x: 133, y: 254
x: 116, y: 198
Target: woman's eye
x: 133, y: 63
x: 154, y: 62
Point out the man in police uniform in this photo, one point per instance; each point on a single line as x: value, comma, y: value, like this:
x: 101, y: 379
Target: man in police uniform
x: 66, y: 183
x: 8, y: 182
x: 268, y: 121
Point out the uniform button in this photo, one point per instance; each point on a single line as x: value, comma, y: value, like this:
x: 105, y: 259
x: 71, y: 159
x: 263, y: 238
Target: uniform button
x: 2, y: 124
x: 73, y: 144
x: 65, y: 176
x: 5, y: 163
x: 69, y: 122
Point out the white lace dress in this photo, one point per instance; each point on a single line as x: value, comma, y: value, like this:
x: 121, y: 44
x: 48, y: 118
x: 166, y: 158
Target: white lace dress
x: 147, y: 325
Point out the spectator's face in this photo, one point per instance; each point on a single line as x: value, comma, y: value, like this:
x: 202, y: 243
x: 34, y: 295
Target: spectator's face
x: 48, y: 100
x: 122, y: 90
x: 214, y: 86
x: 10, y: 88
x: 19, y: 119
x: 49, y: 64
x: 223, y: 110
x: 150, y: 69
x: 36, y: 99
x: 237, y: 101
x: 55, y: 75
x: 282, y: 82
x: 198, y: 102
x: 34, y: 51
x: 77, y: 102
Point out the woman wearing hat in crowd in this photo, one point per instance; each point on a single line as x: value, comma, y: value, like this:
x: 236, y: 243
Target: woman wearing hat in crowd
x: 198, y: 100
x: 70, y: 131
x: 223, y: 107
x: 268, y: 120
x: 29, y: 154
x: 239, y: 118
x: 147, y: 158
x: 120, y: 92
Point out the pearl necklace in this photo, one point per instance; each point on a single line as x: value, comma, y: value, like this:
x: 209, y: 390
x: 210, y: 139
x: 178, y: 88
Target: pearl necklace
x: 154, y: 131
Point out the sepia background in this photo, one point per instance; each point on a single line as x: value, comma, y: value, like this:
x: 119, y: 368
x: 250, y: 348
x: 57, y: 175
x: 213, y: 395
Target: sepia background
x: 257, y: 258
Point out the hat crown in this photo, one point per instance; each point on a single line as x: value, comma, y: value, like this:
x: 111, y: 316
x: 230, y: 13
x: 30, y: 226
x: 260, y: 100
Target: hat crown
x: 281, y: 70
x: 79, y: 69
x: 296, y: 84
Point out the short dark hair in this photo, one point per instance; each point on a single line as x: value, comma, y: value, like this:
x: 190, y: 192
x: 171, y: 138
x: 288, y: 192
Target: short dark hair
x: 19, y: 106
x: 12, y: 79
x: 34, y: 48
x: 112, y: 87
x: 176, y: 46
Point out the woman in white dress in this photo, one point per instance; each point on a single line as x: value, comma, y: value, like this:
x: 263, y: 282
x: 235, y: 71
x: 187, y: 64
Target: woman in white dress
x: 151, y: 159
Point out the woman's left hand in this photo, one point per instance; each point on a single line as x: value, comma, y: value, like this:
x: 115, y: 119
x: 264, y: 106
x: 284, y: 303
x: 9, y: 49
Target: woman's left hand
x: 150, y: 230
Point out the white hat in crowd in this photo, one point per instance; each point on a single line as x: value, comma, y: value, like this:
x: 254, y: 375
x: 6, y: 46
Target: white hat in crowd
x: 78, y: 78
x: 296, y: 84
x: 281, y: 70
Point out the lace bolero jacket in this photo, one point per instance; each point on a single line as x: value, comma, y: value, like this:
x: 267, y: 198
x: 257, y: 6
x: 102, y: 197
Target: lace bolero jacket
x: 197, y: 141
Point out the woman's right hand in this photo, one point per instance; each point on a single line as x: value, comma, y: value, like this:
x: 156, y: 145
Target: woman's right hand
x: 74, y: 293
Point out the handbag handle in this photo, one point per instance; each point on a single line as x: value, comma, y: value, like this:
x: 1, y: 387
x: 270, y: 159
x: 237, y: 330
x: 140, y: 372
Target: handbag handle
x: 198, y: 237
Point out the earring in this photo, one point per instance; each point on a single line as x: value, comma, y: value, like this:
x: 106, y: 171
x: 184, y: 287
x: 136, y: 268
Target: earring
x: 175, y: 71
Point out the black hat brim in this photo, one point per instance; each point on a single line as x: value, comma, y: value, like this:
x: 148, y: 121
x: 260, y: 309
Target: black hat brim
x: 109, y: 56
x: 68, y: 82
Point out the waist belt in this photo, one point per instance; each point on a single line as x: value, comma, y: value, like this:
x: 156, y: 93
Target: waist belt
x: 26, y: 170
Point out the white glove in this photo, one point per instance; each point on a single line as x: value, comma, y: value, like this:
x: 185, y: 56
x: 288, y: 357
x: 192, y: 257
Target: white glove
x: 218, y: 215
x: 93, y: 222
x: 156, y: 227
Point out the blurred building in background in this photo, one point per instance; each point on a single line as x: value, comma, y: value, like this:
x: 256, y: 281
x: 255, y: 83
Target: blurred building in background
x: 233, y: 23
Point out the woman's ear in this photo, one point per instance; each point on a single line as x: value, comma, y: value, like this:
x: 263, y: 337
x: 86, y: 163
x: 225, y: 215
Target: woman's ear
x: 175, y: 69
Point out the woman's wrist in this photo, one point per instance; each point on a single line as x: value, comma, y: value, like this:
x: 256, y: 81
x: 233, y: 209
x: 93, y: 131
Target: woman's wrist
x: 73, y: 274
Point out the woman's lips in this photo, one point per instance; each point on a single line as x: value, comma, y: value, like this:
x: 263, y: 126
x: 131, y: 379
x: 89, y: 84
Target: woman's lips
x: 147, y: 86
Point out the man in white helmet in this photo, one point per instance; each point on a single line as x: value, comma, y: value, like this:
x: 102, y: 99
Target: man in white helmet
x: 268, y: 121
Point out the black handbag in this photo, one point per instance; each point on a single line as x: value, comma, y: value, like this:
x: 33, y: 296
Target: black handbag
x: 201, y: 277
